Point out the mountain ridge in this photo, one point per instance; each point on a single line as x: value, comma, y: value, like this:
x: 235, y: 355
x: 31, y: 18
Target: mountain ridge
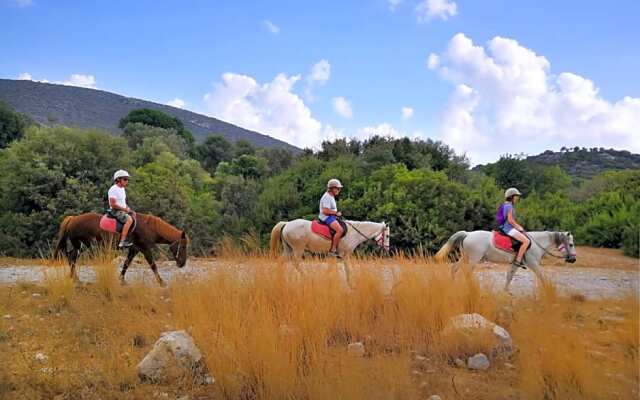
x: 51, y: 104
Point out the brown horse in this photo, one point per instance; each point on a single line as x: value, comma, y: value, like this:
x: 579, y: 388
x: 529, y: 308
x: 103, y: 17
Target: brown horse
x: 84, y: 229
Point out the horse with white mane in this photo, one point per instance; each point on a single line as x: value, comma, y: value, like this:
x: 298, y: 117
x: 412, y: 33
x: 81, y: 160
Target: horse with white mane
x: 478, y: 246
x: 296, y: 237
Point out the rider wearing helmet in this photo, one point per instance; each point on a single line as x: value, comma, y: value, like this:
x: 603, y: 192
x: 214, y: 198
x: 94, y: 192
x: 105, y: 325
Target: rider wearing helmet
x: 511, y: 227
x: 329, y: 213
x: 118, y: 204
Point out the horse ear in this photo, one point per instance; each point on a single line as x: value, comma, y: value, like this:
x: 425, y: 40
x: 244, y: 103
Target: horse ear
x: 184, y: 235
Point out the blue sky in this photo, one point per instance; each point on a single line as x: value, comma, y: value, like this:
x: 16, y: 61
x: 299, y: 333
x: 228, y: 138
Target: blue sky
x: 504, y: 76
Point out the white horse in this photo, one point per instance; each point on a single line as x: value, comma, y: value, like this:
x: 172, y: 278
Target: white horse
x: 478, y: 246
x: 296, y: 237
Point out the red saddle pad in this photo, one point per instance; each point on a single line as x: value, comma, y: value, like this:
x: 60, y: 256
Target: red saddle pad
x: 108, y: 224
x: 502, y: 241
x: 320, y: 229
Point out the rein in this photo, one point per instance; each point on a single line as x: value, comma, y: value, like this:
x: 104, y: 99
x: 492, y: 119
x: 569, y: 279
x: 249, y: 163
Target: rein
x: 357, y: 230
x: 543, y: 249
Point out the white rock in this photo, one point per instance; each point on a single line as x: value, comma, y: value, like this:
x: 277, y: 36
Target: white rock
x: 356, y: 349
x: 7, y: 316
x: 174, y: 354
x: 435, y: 397
x: 479, y: 361
x: 41, y: 357
x: 36, y: 295
x: 470, y: 325
x: 460, y: 363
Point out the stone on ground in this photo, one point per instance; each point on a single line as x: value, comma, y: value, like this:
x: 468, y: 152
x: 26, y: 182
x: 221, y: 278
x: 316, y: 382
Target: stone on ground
x: 479, y: 361
x: 356, y: 349
x: 471, y: 326
x: 174, y: 355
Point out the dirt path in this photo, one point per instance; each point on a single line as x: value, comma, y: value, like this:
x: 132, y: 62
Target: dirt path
x: 587, y: 281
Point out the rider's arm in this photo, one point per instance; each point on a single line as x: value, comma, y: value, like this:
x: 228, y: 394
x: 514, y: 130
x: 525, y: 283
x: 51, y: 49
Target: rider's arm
x: 513, y: 222
x: 113, y: 203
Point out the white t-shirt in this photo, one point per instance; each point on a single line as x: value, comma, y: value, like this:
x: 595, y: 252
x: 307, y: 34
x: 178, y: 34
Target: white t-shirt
x: 118, y: 193
x: 327, y: 201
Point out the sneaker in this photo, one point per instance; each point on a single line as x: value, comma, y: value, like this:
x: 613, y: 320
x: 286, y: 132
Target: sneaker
x: 334, y: 254
x: 519, y: 264
x: 124, y: 244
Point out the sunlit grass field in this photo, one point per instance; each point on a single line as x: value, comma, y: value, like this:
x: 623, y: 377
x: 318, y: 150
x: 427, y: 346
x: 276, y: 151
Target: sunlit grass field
x: 270, y: 331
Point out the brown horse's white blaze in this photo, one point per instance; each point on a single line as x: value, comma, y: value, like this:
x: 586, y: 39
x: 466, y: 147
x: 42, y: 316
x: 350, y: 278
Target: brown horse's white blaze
x: 84, y: 229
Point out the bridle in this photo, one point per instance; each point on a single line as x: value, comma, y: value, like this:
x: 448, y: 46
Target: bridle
x: 382, y: 235
x: 562, y: 247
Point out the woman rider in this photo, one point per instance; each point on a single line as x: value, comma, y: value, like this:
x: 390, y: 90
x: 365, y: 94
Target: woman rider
x: 511, y: 227
x: 329, y: 213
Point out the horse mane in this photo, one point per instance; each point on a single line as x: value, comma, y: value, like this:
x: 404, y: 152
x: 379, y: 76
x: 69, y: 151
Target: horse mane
x: 161, y: 226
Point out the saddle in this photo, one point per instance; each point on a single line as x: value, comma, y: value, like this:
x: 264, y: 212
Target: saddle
x: 320, y: 228
x: 110, y: 223
x: 506, y: 243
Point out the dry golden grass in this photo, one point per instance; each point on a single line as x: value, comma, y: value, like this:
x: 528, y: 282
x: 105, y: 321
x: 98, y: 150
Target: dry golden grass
x: 267, y: 331
x: 592, y: 257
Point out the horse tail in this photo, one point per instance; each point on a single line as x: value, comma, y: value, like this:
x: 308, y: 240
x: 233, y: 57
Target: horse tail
x: 63, y: 234
x: 452, y: 244
x: 276, y: 235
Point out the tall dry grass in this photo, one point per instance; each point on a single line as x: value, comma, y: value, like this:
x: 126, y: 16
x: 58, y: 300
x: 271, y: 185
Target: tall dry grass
x: 268, y: 331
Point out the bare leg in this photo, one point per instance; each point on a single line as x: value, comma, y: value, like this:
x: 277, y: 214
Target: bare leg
x: 132, y: 253
x: 125, y: 229
x: 149, y: 257
x: 336, y: 238
x: 519, y: 236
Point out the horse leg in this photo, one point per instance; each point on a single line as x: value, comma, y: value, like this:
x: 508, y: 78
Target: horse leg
x: 132, y: 253
x: 510, y: 273
x: 72, y: 256
x: 536, y: 270
x: 149, y: 257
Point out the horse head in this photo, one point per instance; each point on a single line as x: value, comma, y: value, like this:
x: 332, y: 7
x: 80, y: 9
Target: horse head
x: 567, y: 247
x: 179, y: 250
x: 382, y: 238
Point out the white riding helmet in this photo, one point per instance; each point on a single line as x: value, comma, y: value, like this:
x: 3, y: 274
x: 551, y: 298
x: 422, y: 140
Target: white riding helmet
x: 512, y: 192
x: 334, y: 183
x: 120, y: 174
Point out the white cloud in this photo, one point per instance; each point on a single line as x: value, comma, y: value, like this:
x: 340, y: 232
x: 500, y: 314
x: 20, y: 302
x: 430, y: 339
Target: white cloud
x: 271, y: 27
x: 87, y: 81
x: 178, y: 103
x: 407, y: 113
x: 384, y: 129
x: 24, y: 3
x: 506, y: 100
x: 270, y: 108
x: 320, y: 72
x: 393, y: 4
x: 431, y: 9
x: 80, y: 80
x: 342, y: 107
x: 433, y: 61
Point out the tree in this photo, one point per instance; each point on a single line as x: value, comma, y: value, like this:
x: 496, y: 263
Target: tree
x: 213, y: 151
x: 13, y: 125
x: 50, y: 173
x: 244, y: 147
x: 158, y: 119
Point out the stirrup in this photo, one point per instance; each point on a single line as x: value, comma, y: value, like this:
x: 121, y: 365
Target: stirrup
x: 125, y: 244
x: 519, y: 264
x: 335, y: 254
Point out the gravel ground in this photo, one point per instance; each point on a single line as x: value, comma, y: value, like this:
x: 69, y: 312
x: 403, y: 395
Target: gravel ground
x: 589, y: 282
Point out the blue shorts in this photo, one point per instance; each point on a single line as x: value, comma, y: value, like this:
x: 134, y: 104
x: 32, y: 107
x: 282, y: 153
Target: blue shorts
x: 330, y: 219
